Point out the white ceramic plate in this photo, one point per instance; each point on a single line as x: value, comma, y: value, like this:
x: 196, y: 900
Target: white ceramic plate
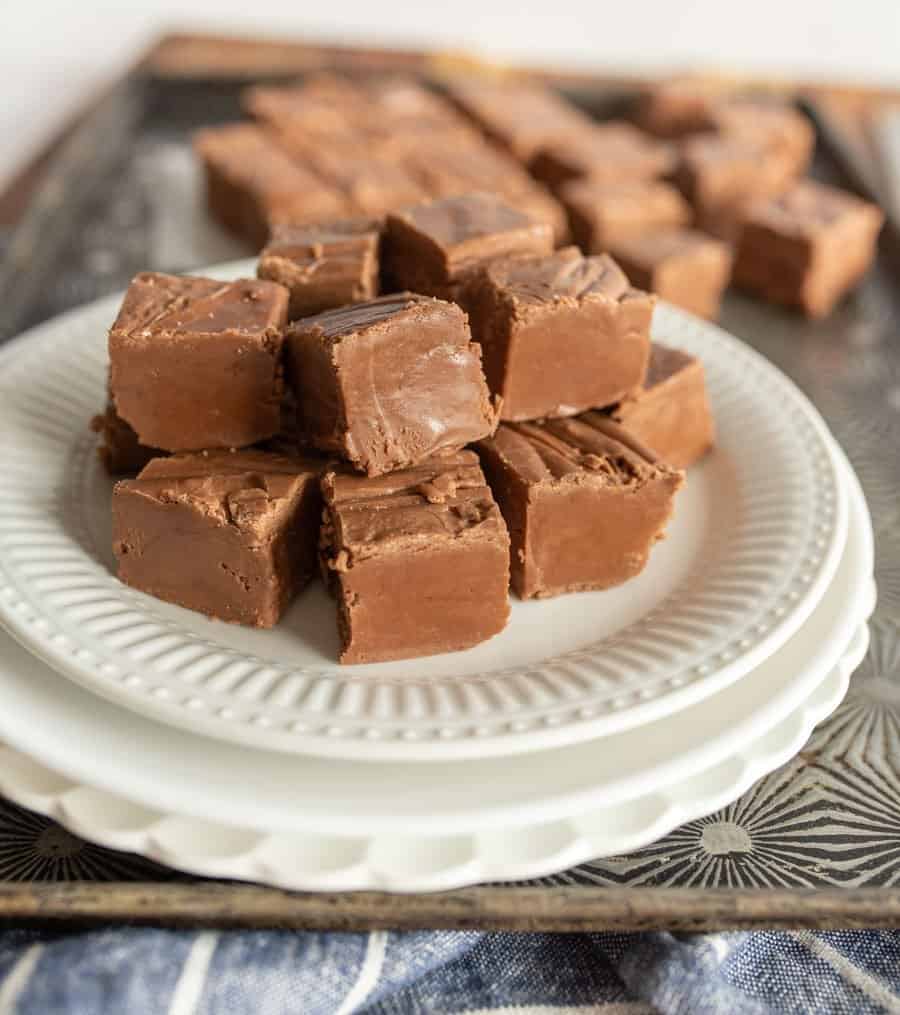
x: 200, y: 805
x: 325, y: 863
x: 756, y: 538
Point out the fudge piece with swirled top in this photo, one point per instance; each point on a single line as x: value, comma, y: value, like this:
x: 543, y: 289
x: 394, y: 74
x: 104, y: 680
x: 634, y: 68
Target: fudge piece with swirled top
x: 418, y: 560
x: 436, y: 246
x: 231, y: 534
x: 560, y: 333
x: 808, y: 247
x: 584, y: 502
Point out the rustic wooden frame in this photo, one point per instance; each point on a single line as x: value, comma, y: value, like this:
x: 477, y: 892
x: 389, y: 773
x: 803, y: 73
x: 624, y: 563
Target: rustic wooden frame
x: 514, y: 908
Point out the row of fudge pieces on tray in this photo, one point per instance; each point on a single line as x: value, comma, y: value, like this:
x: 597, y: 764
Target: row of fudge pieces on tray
x: 421, y: 486
x: 703, y: 187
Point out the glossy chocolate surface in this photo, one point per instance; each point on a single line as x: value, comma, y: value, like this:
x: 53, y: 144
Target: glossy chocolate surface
x: 387, y: 383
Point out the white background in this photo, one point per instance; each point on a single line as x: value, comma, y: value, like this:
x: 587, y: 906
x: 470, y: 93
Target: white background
x: 54, y: 53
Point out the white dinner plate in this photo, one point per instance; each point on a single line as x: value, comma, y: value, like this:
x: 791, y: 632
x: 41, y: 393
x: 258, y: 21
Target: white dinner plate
x: 214, y: 808
x: 755, y: 540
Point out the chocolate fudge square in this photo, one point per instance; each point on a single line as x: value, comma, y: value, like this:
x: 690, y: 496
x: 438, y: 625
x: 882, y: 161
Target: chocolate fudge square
x: 384, y: 116
x: 447, y: 169
x: 120, y: 451
x: 603, y: 213
x: 323, y: 266
x: 560, y: 333
x: 436, y: 246
x: 252, y: 184
x: 681, y: 105
x: 808, y: 247
x: 671, y: 412
x: 406, y: 116
x: 520, y: 116
x: 611, y: 152
x: 583, y: 500
x: 785, y: 135
x: 370, y: 185
x: 387, y: 383
x: 405, y: 103
x: 229, y: 534
x: 196, y: 363
x: 721, y: 175
x: 418, y: 560
x: 325, y: 108
x: 685, y: 267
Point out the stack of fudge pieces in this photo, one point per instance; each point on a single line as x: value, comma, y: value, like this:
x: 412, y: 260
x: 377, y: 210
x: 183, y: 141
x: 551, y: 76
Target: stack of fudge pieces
x: 336, y: 414
x: 704, y: 187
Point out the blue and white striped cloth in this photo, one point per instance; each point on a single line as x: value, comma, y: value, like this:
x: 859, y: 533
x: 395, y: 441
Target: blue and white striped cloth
x: 149, y: 971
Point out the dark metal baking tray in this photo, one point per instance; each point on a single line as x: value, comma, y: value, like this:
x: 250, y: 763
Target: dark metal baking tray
x: 817, y: 843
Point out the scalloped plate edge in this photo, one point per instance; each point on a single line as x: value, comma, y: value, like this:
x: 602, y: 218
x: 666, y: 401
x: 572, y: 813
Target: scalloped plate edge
x: 330, y: 863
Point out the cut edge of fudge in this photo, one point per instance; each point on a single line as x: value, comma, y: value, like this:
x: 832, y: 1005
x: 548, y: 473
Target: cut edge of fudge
x: 119, y: 449
x: 417, y: 560
x: 584, y: 502
x: 247, y: 521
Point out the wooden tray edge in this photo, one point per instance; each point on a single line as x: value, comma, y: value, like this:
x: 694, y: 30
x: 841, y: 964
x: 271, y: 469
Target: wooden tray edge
x: 513, y: 908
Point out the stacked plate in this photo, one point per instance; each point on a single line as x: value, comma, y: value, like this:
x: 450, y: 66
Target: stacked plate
x: 594, y: 724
